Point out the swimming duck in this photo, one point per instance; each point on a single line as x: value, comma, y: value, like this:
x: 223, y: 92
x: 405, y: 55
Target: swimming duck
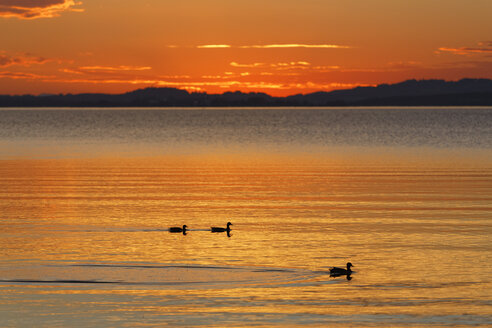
x: 178, y: 229
x: 341, y: 271
x: 219, y: 229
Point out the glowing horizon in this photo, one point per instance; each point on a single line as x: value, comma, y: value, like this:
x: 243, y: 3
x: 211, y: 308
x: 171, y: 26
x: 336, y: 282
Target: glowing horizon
x: 280, y: 48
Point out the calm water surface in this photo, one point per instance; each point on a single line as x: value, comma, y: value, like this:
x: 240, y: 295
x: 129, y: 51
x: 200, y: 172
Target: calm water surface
x: 404, y: 194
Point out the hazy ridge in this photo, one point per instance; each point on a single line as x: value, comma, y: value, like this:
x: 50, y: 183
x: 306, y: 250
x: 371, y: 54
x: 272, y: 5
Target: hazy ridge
x: 465, y: 92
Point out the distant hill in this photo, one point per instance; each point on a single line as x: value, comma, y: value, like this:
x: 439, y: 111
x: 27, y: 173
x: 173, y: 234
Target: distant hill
x: 408, y: 93
x: 466, y: 92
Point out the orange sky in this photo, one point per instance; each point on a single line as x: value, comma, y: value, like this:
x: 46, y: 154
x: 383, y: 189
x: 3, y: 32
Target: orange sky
x: 280, y: 47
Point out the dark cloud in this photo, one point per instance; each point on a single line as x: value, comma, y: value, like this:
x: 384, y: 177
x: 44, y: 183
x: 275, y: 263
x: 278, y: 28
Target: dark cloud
x: 22, y: 60
x: 31, y: 9
x: 22, y: 76
x: 484, y: 47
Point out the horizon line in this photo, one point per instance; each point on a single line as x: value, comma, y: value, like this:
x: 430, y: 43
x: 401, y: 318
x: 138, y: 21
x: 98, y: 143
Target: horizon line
x: 361, y: 85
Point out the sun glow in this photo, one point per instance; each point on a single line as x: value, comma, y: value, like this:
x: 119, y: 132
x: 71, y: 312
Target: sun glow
x: 113, y: 47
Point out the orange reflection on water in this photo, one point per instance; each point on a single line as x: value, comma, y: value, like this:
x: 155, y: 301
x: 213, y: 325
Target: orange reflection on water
x: 416, y: 234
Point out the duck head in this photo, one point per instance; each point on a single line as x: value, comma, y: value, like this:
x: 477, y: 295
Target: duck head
x: 349, y: 265
x: 184, y: 227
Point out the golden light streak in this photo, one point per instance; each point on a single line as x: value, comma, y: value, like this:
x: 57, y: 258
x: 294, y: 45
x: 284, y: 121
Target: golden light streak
x: 115, y: 68
x: 266, y: 79
x: 221, y: 84
x: 289, y: 65
x: 300, y: 65
x: 235, y: 64
x: 174, y: 77
x: 271, y: 46
x: 214, y: 46
x: 296, y: 45
x: 163, y: 83
x: 70, y: 71
x: 484, y: 48
x: 228, y: 81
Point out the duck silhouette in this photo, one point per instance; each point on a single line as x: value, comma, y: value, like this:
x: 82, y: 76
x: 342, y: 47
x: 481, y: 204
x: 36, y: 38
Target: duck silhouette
x: 179, y: 229
x: 335, y: 272
x: 220, y: 229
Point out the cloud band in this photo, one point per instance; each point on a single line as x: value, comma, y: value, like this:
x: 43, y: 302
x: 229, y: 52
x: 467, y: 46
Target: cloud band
x: 32, y: 9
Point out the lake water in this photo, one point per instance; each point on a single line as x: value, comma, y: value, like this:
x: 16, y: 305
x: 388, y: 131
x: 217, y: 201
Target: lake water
x: 87, y: 196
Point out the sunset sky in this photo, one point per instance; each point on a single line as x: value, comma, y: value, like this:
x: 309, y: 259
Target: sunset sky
x: 280, y: 47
